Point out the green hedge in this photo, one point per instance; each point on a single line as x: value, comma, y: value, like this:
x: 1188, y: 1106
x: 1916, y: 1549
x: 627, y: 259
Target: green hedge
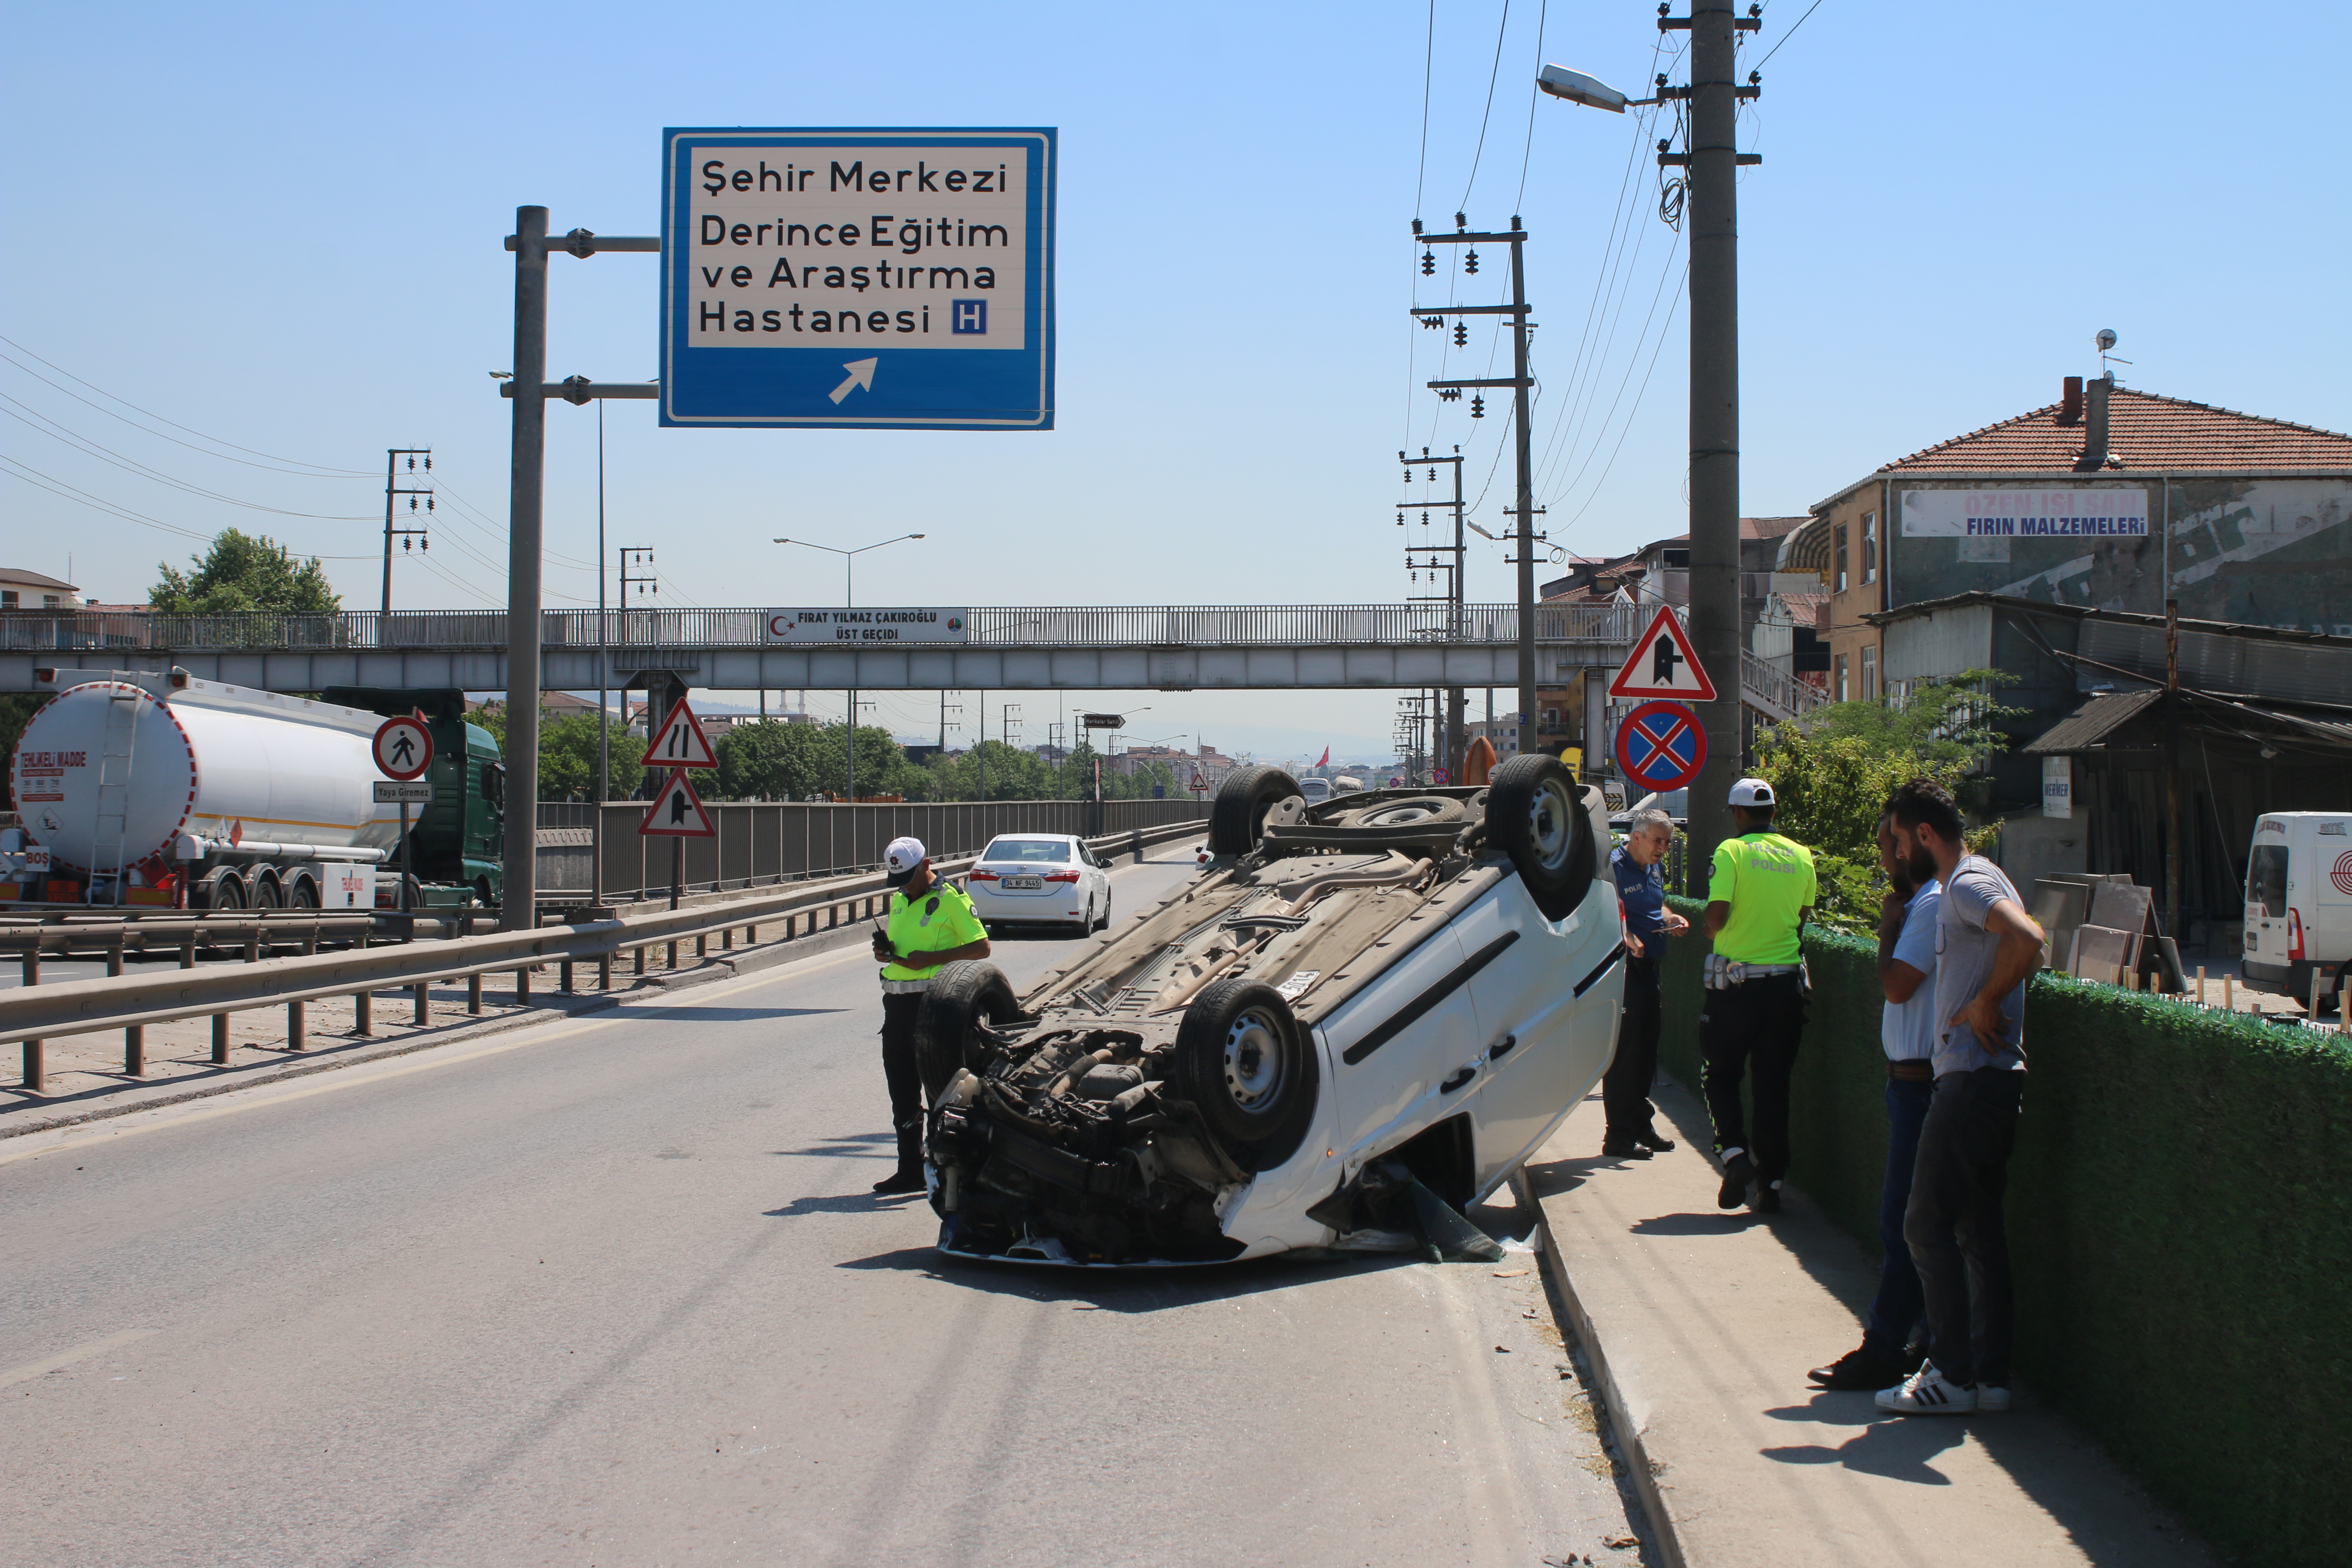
x: 2180, y: 1222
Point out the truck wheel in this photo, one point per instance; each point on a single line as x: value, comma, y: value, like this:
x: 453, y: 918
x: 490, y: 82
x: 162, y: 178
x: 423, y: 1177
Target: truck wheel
x: 1239, y: 814
x: 227, y: 891
x: 965, y: 993
x: 265, y: 893
x: 1534, y: 815
x: 1242, y: 1059
x: 305, y: 895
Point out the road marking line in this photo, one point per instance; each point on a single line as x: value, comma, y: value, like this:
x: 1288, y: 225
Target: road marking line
x: 33, y: 1369
x: 31, y: 1145
x: 134, y: 1122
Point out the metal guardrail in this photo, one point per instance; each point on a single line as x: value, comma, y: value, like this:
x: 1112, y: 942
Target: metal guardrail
x: 1145, y: 625
x: 172, y: 932
x: 761, y: 843
x: 131, y: 1001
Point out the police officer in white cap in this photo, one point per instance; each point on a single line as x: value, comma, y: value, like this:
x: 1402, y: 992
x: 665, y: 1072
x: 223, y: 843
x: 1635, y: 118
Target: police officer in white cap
x: 1759, y: 890
x: 930, y: 923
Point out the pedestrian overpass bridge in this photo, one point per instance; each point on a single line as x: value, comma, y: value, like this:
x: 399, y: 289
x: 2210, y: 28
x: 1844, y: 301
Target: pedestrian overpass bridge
x: 1169, y: 647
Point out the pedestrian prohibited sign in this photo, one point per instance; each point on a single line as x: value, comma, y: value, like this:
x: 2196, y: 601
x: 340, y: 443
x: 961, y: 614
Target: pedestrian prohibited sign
x: 404, y: 748
x: 1663, y: 664
x: 858, y: 280
x: 1660, y: 746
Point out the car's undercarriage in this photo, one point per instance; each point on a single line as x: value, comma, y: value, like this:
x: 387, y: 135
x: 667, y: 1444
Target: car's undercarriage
x: 1118, y: 1112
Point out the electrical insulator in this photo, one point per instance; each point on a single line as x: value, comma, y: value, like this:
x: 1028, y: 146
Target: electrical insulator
x: 1470, y: 260
x: 1433, y: 476
x: 1478, y: 408
x: 1449, y: 395
x: 1399, y: 519
x: 428, y: 503
x: 1461, y: 334
x: 428, y: 465
x: 411, y: 503
x: 1424, y: 519
x: 407, y: 545
x: 1428, y: 263
x: 412, y: 465
x: 427, y: 543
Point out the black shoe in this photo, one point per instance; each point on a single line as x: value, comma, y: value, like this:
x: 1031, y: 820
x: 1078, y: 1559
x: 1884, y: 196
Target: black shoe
x: 901, y: 1180
x: 1624, y: 1148
x: 1653, y: 1139
x: 1737, y: 1174
x: 1768, y: 1198
x: 1861, y: 1369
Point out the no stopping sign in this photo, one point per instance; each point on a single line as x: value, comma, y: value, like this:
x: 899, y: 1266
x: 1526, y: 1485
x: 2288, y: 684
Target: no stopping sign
x: 1660, y: 746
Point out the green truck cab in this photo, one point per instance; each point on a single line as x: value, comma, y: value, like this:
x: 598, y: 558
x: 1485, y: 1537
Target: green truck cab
x: 457, y: 844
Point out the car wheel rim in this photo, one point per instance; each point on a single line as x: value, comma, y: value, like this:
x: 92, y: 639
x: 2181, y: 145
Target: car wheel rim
x: 1551, y: 819
x: 1252, y: 1060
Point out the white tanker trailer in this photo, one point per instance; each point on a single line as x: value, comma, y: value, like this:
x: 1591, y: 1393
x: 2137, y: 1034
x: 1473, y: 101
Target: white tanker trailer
x: 149, y: 788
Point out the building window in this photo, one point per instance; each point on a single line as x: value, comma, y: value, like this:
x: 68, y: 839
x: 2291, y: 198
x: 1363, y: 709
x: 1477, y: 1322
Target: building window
x: 1838, y: 686
x: 1841, y: 531
x: 9, y: 599
x: 49, y: 601
x: 1870, y: 547
x: 1869, y: 673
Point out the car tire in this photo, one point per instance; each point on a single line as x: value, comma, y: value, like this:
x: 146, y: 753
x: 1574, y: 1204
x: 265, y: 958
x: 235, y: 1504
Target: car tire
x: 1535, y: 815
x: 1243, y: 800
x: 1104, y: 923
x: 963, y: 994
x: 1244, y: 1060
x: 1086, y: 921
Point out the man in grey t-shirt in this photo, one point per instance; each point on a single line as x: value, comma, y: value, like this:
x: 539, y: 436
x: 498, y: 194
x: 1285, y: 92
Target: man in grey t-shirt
x: 1986, y: 948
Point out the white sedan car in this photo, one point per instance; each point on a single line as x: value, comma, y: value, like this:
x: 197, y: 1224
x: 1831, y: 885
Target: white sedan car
x: 1040, y: 878
x: 1355, y: 1025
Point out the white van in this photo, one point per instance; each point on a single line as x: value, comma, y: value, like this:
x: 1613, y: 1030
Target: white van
x: 2299, y: 903
x: 1317, y: 791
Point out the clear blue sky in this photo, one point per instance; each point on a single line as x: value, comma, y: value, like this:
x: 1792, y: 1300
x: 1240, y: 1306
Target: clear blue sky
x: 281, y: 226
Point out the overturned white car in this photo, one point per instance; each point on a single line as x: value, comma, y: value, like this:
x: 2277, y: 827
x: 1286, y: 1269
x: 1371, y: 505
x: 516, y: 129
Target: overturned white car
x: 1359, y: 1021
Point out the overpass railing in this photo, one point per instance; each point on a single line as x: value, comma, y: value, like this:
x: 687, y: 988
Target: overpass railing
x: 1132, y: 625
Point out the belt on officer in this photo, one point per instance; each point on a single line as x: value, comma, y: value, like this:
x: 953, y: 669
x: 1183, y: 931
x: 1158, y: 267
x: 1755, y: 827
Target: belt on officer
x: 1915, y: 1070
x: 905, y: 988
x: 1722, y: 973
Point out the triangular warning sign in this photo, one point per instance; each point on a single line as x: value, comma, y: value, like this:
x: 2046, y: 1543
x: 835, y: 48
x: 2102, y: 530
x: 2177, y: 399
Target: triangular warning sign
x: 678, y: 812
x: 1662, y: 665
x: 680, y: 742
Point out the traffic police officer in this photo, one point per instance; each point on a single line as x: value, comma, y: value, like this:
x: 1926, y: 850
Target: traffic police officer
x: 930, y: 923
x: 1759, y: 890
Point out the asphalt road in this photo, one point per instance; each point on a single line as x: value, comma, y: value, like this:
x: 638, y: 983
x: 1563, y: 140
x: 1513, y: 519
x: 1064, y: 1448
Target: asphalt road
x: 613, y: 1290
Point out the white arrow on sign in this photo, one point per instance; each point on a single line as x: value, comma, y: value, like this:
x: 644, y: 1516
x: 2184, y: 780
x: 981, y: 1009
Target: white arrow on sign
x: 861, y: 374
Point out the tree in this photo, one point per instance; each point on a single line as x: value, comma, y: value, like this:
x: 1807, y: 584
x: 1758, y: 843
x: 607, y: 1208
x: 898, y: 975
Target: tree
x: 771, y: 760
x: 1833, y: 770
x: 567, y: 753
x: 244, y: 574
x: 16, y: 712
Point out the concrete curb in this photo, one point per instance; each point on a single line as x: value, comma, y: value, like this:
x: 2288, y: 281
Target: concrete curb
x: 1644, y: 1474
x: 652, y: 987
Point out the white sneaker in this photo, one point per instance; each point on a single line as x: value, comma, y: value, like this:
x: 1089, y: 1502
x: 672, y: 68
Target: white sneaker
x: 1991, y: 1397
x: 1926, y: 1393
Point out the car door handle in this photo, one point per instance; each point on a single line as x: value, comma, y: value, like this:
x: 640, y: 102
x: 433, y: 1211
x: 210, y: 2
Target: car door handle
x: 1501, y: 1048
x: 1459, y: 1077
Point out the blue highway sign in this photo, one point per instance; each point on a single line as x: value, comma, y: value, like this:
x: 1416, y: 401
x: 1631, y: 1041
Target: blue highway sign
x: 857, y: 279
x: 1660, y: 746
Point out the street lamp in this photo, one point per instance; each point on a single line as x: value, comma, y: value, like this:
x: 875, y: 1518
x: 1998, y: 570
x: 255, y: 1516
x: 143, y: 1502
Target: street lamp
x: 1710, y: 163
x: 849, y: 601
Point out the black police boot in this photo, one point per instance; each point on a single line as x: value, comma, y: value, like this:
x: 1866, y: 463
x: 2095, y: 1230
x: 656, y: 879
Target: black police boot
x: 909, y: 1177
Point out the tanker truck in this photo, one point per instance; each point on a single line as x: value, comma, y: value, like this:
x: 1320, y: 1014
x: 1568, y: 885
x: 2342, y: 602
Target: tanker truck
x: 145, y: 788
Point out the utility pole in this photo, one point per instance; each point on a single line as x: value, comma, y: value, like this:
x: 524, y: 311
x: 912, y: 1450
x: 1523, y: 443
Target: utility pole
x: 392, y: 489
x: 1713, y: 162
x: 1451, y: 747
x: 636, y: 565
x: 1519, y: 382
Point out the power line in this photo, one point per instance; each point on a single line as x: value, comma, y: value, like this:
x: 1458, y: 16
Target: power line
x: 1787, y: 35
x: 1493, y: 75
x: 323, y: 470
x: 90, y: 448
x: 1428, y: 64
x: 1543, y: 16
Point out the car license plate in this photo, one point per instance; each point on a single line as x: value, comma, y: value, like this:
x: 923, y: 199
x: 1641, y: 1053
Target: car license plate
x: 1022, y: 884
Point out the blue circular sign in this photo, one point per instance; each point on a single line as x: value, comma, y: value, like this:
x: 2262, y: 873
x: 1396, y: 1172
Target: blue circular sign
x: 1661, y: 746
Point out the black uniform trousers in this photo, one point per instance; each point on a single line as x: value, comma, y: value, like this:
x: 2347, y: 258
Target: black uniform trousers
x: 1752, y: 1028
x: 903, y: 1072
x: 1625, y: 1086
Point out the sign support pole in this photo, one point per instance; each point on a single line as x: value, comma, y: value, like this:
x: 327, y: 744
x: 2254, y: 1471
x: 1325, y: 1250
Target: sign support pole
x: 400, y: 900
x: 676, y: 870
x: 518, y: 907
